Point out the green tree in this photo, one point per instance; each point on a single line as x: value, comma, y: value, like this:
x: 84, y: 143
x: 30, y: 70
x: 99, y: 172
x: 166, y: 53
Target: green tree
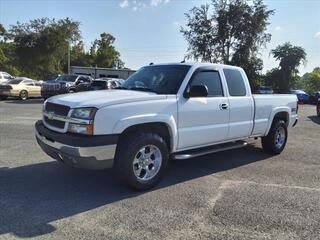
x: 104, y: 53
x: 231, y: 34
x: 41, y: 46
x: 290, y: 58
x: 313, y: 81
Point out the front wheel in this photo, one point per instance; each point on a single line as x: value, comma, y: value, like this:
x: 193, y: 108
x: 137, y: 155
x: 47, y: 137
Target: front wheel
x: 276, y: 139
x: 141, y: 160
x: 23, y: 95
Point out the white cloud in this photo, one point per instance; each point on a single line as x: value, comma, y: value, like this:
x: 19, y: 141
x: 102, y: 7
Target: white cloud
x: 138, y: 4
x: 155, y: 3
x: 176, y: 23
x: 124, y: 4
x: 317, y: 35
x: 278, y: 28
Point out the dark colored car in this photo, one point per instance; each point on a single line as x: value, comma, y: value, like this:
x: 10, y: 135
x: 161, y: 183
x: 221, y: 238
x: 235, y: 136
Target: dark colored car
x: 106, y: 83
x: 66, y: 84
x: 318, y: 108
x: 314, y: 97
x: 301, y: 95
x: 264, y: 90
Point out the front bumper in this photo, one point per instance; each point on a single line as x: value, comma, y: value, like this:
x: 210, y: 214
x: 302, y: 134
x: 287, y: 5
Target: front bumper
x: 88, y: 152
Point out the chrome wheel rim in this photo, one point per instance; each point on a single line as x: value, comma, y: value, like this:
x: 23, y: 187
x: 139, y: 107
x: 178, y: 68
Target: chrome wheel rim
x: 23, y: 95
x: 147, y: 162
x: 280, y: 137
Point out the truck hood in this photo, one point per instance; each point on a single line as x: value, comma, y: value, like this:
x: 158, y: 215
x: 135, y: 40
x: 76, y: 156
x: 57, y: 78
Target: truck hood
x: 103, y: 98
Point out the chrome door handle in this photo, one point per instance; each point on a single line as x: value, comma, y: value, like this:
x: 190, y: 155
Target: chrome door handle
x: 224, y: 106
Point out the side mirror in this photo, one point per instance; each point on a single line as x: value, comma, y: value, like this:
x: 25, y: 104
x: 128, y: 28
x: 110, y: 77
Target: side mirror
x: 196, y: 91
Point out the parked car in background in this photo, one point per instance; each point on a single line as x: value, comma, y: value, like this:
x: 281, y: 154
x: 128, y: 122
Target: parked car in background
x: 20, y: 87
x: 314, y: 97
x: 106, y: 83
x: 302, y: 96
x: 66, y: 84
x: 5, y: 77
x: 264, y: 90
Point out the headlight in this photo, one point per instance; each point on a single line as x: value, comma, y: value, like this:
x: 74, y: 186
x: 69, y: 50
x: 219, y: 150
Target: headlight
x: 83, y: 113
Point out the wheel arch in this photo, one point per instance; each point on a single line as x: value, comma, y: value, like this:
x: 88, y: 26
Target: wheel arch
x: 161, y: 128
x: 279, y: 114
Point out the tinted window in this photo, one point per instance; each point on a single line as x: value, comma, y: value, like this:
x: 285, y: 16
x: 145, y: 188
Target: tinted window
x: 14, y: 81
x: 162, y: 79
x: 28, y: 82
x: 6, y: 76
x: 211, y: 79
x: 66, y: 78
x: 235, y: 82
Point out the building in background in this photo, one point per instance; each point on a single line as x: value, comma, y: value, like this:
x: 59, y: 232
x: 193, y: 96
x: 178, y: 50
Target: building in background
x: 97, y: 72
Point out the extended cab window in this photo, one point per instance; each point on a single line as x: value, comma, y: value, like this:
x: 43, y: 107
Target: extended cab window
x: 235, y: 82
x: 211, y: 79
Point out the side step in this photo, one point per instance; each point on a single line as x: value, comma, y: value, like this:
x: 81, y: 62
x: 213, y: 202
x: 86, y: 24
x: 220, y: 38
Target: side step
x: 207, y: 150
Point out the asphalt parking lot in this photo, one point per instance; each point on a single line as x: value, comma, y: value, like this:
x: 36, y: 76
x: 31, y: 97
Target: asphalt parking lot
x: 239, y: 194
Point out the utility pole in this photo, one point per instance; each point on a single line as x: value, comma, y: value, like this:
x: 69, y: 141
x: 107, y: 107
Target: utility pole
x: 69, y: 57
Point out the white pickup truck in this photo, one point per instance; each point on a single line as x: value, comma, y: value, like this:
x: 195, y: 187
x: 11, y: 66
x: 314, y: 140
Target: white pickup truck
x: 162, y: 112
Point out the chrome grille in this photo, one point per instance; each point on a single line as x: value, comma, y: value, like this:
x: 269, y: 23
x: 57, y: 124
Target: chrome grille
x: 53, y: 109
x: 57, y: 109
x: 54, y: 123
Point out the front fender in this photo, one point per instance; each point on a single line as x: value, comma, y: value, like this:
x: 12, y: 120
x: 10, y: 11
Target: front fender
x: 170, y: 122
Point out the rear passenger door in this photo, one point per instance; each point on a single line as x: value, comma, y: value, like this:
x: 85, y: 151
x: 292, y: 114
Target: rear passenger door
x: 203, y: 120
x: 240, y: 102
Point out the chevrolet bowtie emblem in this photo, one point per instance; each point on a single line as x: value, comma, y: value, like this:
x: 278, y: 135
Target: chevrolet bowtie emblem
x: 50, y: 115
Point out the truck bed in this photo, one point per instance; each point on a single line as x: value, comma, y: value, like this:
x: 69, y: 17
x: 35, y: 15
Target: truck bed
x: 265, y: 107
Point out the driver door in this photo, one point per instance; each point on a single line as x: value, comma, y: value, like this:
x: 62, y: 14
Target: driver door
x: 203, y: 120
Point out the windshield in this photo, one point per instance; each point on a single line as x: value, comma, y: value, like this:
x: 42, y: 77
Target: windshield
x: 66, y: 78
x: 14, y: 81
x: 161, y: 79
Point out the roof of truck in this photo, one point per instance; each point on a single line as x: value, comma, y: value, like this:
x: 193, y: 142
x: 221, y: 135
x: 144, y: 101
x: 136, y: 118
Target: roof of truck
x: 196, y: 64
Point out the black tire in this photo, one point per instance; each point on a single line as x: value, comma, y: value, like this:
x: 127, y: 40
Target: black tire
x: 127, y: 151
x: 2, y: 97
x: 271, y: 143
x: 71, y: 91
x: 23, y: 95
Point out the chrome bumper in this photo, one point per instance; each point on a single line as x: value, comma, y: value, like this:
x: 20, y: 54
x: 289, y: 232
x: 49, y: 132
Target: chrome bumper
x: 96, y: 157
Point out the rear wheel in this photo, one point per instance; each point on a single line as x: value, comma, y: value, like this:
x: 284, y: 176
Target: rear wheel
x: 276, y: 139
x: 141, y: 160
x: 23, y: 95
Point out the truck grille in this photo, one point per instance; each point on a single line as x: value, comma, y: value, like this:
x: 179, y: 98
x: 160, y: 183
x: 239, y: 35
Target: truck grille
x: 54, y: 123
x: 51, y: 87
x: 57, y: 109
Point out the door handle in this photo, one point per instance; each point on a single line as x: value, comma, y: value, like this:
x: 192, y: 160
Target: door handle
x: 224, y: 106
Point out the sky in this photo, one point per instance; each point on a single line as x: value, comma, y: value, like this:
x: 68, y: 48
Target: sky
x: 148, y: 30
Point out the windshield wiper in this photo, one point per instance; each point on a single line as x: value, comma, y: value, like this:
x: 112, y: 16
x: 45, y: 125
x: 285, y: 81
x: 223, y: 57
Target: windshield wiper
x: 145, y: 89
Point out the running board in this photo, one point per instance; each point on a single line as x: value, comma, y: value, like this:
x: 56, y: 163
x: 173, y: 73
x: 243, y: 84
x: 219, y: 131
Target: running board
x: 207, y: 150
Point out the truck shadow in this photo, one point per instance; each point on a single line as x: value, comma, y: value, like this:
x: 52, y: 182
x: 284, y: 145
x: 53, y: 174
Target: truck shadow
x: 32, y: 196
x: 314, y: 119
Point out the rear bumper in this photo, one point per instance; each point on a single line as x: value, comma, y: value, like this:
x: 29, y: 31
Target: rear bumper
x: 94, y: 152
